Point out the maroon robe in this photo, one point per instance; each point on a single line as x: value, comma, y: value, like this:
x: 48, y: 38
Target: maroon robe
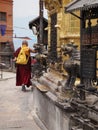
x: 23, y: 72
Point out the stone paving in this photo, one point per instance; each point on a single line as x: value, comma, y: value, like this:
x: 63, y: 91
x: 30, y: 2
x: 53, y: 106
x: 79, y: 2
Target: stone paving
x: 15, y: 106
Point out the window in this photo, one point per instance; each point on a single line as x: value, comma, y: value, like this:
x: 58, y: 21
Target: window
x: 2, y: 16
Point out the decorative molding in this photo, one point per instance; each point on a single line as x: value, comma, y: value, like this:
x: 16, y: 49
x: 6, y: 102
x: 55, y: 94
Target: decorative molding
x: 57, y: 26
x: 52, y: 6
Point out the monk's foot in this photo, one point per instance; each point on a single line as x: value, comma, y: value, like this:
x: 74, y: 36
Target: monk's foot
x: 27, y: 86
x: 23, y: 88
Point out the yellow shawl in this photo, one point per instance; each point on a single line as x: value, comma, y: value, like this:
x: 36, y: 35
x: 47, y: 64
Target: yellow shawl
x: 26, y: 49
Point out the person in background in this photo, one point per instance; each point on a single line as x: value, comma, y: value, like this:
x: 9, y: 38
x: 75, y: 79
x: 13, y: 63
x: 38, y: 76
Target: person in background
x: 23, y: 71
x: 33, y: 60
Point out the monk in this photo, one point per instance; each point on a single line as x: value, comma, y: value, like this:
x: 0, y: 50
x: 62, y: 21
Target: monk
x: 23, y: 71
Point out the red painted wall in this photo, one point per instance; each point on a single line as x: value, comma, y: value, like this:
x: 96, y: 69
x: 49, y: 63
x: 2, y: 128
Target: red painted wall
x: 7, y: 6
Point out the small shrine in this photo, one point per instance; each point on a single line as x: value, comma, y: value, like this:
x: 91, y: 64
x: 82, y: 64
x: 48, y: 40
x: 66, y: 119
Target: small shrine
x: 34, y: 26
x: 6, y: 56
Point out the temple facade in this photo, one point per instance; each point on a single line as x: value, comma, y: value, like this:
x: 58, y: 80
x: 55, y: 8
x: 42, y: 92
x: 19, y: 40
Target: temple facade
x: 62, y: 27
x: 6, y: 31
